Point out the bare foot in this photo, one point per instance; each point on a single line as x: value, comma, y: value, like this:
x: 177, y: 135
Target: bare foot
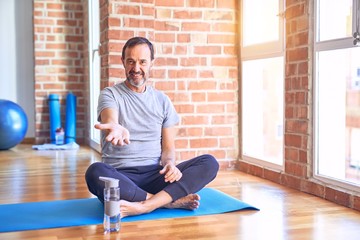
x: 190, y: 202
x: 131, y: 208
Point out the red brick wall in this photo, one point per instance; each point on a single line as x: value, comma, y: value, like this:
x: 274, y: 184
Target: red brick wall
x: 59, y: 65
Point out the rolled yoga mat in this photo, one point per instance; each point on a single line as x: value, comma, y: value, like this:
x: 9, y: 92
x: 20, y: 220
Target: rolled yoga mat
x: 55, y: 119
x: 89, y: 211
x: 70, y: 118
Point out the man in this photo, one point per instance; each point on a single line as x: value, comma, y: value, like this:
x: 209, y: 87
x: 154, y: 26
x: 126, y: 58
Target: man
x: 137, y: 124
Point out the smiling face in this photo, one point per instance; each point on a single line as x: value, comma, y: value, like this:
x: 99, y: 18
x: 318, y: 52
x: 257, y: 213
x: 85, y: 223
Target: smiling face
x: 137, y: 63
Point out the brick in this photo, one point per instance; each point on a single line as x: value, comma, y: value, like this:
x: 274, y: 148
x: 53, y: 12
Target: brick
x: 224, y: 61
x: 138, y: 23
x: 218, y: 131
x: 185, y: 108
x: 127, y: 9
x: 167, y: 3
x: 225, y: 119
x: 210, y: 108
x: 219, y: 15
x: 292, y: 140
x: 181, y: 97
x: 183, y: 37
x: 167, y: 26
x: 114, y: 22
x: 160, y: 61
x: 295, y: 169
x: 203, y: 143
x: 356, y: 204
x: 291, y: 181
x: 218, y: 154
x: 165, y: 86
x: 207, y: 50
x: 200, y: 3
x: 195, y: 120
x: 226, y: 4
x: 164, y: 37
x: 272, y: 175
x: 291, y: 154
x: 185, y: 14
x: 222, y: 39
x: 181, y: 143
x: 181, y: 50
x: 161, y: 13
x: 159, y: 73
x: 206, y: 74
x: 295, y: 11
x: 198, y: 97
x: 297, y: 54
x: 193, y: 61
x: 202, y: 85
x: 297, y: 126
x: 221, y: 97
x: 227, y: 142
x: 224, y: 27
x: 186, y: 155
x: 182, y: 73
x: 195, y: 26
x: 338, y: 197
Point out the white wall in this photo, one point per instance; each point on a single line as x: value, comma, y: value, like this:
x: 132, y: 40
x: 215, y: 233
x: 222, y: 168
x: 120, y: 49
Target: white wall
x: 17, y: 57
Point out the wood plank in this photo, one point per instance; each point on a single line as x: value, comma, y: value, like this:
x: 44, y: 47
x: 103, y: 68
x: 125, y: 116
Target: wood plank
x: 27, y: 175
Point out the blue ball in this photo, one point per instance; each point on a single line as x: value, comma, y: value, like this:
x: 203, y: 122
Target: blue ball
x: 13, y: 124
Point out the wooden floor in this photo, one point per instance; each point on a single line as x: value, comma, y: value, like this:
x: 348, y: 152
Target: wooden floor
x: 27, y: 175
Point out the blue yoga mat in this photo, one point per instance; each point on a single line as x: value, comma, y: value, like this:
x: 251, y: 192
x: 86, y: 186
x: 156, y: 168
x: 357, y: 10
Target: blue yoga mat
x: 89, y: 211
x: 55, y: 119
x: 70, y: 121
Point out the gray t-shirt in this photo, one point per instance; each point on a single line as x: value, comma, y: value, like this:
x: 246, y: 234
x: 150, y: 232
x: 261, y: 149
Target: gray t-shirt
x: 144, y: 115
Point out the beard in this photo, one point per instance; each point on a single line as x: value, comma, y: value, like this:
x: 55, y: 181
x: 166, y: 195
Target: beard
x: 136, y: 79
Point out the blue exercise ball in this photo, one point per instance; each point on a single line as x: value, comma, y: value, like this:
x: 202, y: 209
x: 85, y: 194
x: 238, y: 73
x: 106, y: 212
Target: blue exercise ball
x: 13, y: 124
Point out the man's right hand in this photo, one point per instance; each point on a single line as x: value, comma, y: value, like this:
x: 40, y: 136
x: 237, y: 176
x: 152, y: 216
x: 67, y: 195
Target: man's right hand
x: 116, y: 134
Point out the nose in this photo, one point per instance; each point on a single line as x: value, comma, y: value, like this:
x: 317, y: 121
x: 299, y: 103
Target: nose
x: 137, y: 67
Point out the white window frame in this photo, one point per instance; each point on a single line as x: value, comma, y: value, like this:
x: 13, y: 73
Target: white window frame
x: 264, y: 51
x: 340, y: 43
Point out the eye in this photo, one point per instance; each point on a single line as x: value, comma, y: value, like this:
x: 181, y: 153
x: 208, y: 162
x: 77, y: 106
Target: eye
x: 130, y: 61
x: 143, y: 62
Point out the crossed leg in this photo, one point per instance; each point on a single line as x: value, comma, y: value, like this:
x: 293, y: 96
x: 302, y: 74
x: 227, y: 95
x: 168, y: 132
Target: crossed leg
x: 161, y: 199
x: 136, y: 200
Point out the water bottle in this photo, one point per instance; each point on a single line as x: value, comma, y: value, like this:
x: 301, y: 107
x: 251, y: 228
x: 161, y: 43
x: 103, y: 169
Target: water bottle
x: 111, y: 205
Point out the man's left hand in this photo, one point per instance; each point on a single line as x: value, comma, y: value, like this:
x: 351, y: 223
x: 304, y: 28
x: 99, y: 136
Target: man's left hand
x: 172, y: 173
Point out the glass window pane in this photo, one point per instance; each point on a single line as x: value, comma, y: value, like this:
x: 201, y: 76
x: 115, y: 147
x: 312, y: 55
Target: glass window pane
x: 335, y: 19
x: 262, y: 115
x: 260, y: 24
x: 338, y: 114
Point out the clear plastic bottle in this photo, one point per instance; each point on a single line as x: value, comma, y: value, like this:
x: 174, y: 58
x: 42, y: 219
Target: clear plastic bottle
x: 112, y: 217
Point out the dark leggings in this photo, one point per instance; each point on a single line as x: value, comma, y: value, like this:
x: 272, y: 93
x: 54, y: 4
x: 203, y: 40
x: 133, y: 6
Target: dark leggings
x: 136, y: 182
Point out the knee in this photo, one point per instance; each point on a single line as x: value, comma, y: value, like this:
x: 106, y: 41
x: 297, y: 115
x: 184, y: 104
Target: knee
x: 211, y: 163
x: 93, y: 172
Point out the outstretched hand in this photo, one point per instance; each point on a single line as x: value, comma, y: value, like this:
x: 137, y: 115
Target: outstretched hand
x: 116, y: 134
x: 172, y: 173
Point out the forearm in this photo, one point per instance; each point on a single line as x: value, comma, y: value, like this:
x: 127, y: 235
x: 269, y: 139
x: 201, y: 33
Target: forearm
x: 168, y: 156
x: 168, y: 146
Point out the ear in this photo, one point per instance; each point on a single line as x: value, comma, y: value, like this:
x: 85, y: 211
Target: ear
x: 122, y: 61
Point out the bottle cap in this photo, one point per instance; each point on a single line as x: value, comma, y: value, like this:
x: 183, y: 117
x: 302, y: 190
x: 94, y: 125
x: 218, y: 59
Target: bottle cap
x: 110, y: 182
